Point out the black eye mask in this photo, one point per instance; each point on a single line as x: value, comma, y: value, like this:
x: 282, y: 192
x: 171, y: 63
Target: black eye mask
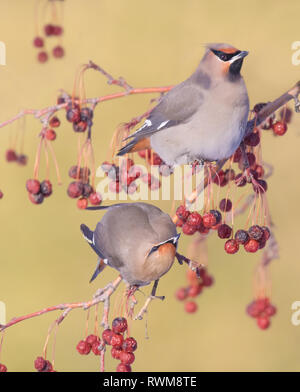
x: 225, y: 56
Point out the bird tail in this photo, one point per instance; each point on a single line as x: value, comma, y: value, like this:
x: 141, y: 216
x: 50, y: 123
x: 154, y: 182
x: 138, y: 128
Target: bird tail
x: 100, y: 267
x: 87, y: 233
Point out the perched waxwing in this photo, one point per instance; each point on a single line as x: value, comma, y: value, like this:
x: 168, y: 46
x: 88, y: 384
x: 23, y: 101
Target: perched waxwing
x: 203, y: 118
x: 137, y: 239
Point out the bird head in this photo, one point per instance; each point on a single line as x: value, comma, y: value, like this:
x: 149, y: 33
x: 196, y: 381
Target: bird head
x: 223, y: 60
x: 164, y: 252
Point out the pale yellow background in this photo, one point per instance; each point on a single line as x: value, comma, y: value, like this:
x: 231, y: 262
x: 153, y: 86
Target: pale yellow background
x: 45, y: 261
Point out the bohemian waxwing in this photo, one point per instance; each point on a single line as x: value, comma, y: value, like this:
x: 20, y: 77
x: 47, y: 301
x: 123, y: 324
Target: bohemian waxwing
x: 203, y: 118
x: 137, y: 239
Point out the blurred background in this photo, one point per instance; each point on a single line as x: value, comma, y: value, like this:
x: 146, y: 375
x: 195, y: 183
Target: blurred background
x: 45, y: 261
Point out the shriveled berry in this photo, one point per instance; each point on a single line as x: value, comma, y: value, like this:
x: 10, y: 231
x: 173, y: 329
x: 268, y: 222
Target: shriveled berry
x: 86, y: 114
x: 251, y: 246
x: 241, y: 236
x: 251, y: 158
x: 190, y: 307
x: 267, y: 232
x: 50, y: 134
x: 279, y: 128
x: 182, y: 213
x: 217, y: 214
x: 261, y: 187
x: 87, y: 190
x: 38, y: 42
x: 73, y: 114
x: 209, y: 220
x: 194, y: 219
x: 107, y: 335
x: 224, y: 231
x: 46, y: 188
x: 181, y: 294
x: 40, y: 363
x: 259, y: 106
x: 54, y: 122
x: 263, y: 322
x: 42, y: 57
x: 83, y: 347
x: 33, y: 186
x: 80, y: 127
x: 37, y: 198
x: 58, y: 51
x: 259, y: 170
x: 240, y: 180
x: 127, y: 357
x: 252, y: 140
x: 255, y: 232
x: 75, y: 189
x: 82, y: 203
x: 115, y: 352
x: 237, y: 155
x: 119, y: 325
x: 116, y: 340
x: 123, y: 368
x: 95, y: 199
x: 225, y: 205
x: 129, y: 345
x: 11, y: 156
x: 231, y: 246
x: 188, y: 230
x: 229, y: 174
x: 22, y: 159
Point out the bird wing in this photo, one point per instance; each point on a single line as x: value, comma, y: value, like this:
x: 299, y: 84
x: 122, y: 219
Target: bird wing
x: 89, y: 237
x: 176, y: 107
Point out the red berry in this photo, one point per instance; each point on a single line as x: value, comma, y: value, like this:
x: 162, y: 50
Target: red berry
x: 279, y: 128
x: 188, y: 230
x: 190, y: 307
x: 83, y: 347
x: 270, y: 310
x: 251, y: 158
x: 42, y: 57
x: 259, y: 171
x: 57, y: 30
x: 194, y: 219
x: 225, y: 205
x: 207, y: 280
x: 73, y: 114
x: 123, y: 368
x: 224, y: 231
x: 38, y: 42
x: 255, y: 232
x: 75, y: 189
x: 11, y: 156
x: 95, y: 348
x: 129, y: 345
x: 36, y: 198
x: 253, y: 310
x: 237, y: 155
x: 194, y: 290
x: 95, y: 199
x: 91, y: 339
x: 116, y: 340
x: 181, y: 294
x: 3, y: 368
x: 182, y: 213
x: 49, y: 29
x: 251, y: 246
x: 40, y: 363
x: 231, y: 246
x: 73, y: 172
x: 46, y: 188
x: 262, y: 186
x: 48, y: 367
x: 209, y: 220
x: 82, y: 203
x: 241, y: 236
x: 1, y: 194
x: 33, y: 186
x: 119, y: 325
x: 115, y: 352
x: 50, y: 134
x: 54, y: 122
x: 22, y: 159
x: 240, y: 180
x: 217, y: 214
x: 58, y: 52
x: 253, y: 139
x: 87, y: 190
x: 80, y: 127
x: 263, y: 322
x: 127, y: 357
x: 107, y: 335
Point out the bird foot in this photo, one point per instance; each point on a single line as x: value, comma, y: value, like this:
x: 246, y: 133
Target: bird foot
x: 144, y: 309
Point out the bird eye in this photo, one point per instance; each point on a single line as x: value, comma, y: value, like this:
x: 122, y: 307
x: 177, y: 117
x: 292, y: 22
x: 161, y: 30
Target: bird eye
x: 224, y: 57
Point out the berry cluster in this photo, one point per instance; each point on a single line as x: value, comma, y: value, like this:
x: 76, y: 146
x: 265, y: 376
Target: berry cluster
x: 194, y: 289
x: 50, y: 30
x: 37, y: 190
x: 81, y: 118
x: 153, y: 159
x: 123, y: 176
x: 43, y: 365
x: 12, y: 156
x: 262, y: 310
x: 81, y: 189
x: 90, y: 343
x: 122, y: 348
x: 50, y: 133
x: 253, y: 239
x: 3, y: 368
x: 190, y: 222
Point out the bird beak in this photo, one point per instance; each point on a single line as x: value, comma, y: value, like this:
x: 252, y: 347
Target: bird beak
x: 241, y: 55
